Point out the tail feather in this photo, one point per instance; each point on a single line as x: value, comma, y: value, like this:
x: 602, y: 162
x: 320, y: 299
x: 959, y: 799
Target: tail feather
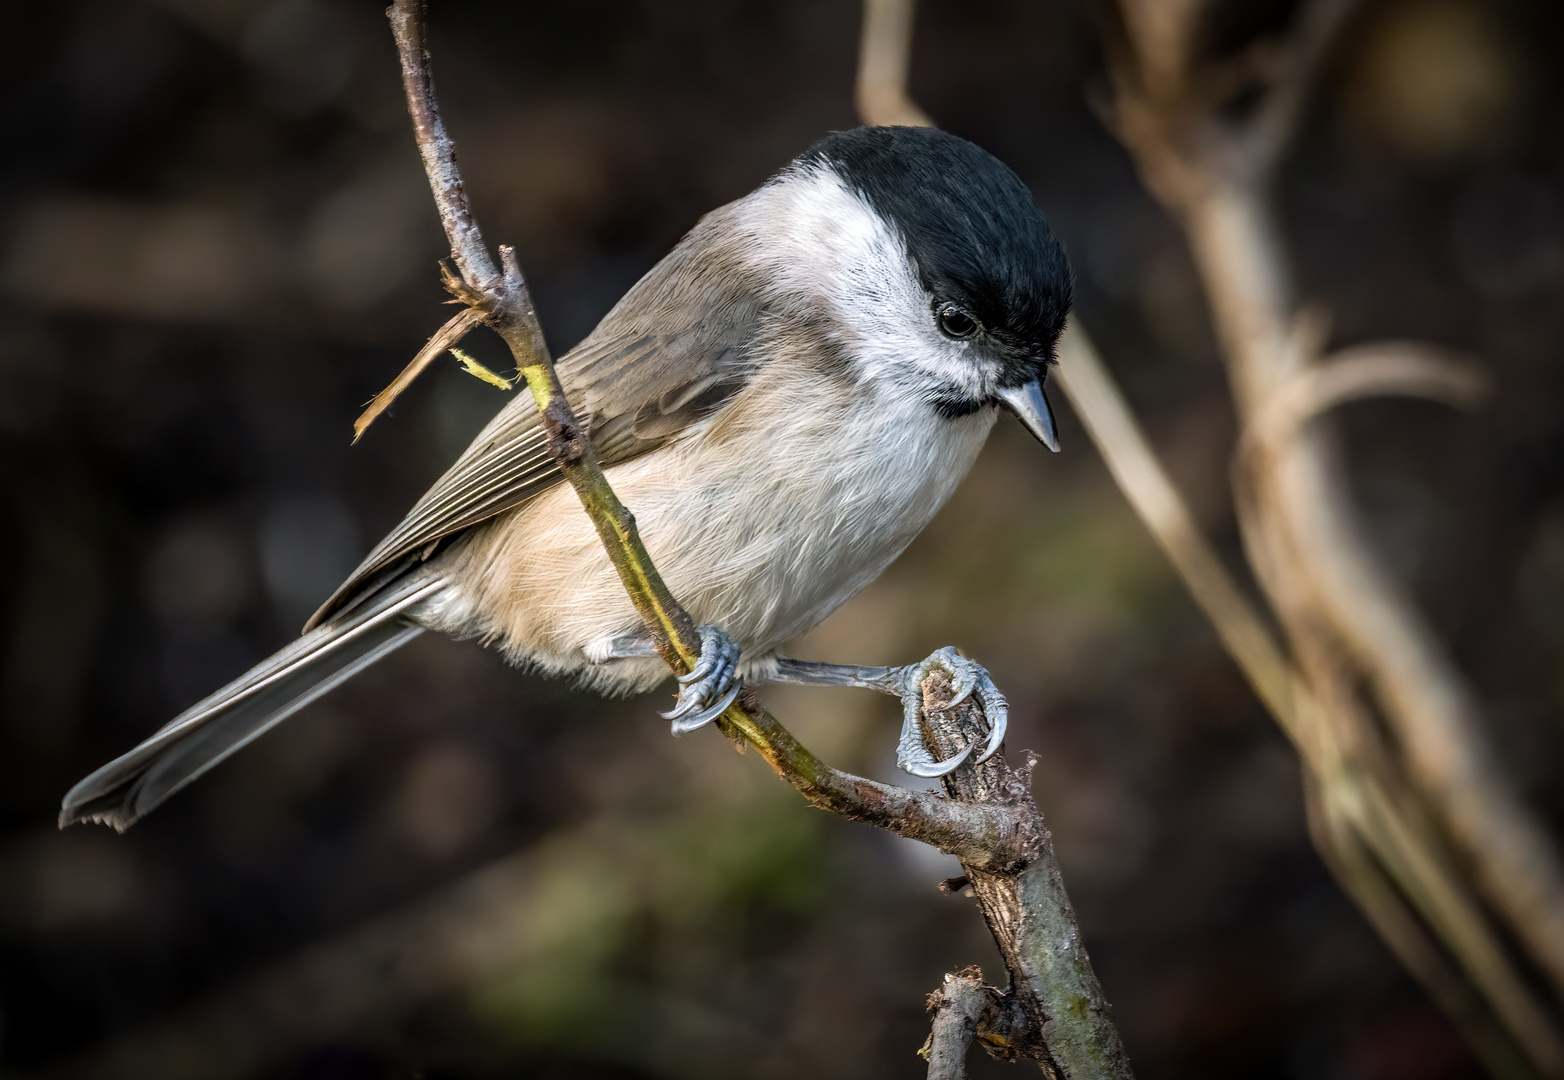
x: 129, y: 787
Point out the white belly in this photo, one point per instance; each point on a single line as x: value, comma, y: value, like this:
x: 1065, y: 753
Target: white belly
x: 762, y: 524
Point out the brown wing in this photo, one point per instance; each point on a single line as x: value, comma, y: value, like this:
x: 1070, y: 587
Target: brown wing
x: 673, y: 350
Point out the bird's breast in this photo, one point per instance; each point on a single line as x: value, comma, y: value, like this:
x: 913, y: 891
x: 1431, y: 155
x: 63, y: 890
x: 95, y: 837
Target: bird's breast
x: 762, y: 519
x: 796, y: 499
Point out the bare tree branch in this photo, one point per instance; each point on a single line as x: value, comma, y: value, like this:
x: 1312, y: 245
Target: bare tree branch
x: 1345, y: 622
x: 408, y: 23
x: 1068, y: 1027
x: 1404, y: 369
x: 1111, y: 425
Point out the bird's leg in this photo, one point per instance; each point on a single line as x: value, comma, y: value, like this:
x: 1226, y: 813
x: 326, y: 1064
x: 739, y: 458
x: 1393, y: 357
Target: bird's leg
x: 966, y: 677
x: 707, y: 690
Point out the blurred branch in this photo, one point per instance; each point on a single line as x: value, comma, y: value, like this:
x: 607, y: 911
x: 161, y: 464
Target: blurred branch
x: 989, y: 823
x: 1359, y: 805
x: 1340, y: 844
x: 1111, y: 425
x: 1346, y: 623
x: 1296, y: 64
x: 883, y: 58
x: 1400, y: 368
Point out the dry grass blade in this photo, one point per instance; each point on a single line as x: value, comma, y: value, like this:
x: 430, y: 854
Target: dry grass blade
x: 1367, y: 807
x: 456, y: 328
x: 1341, y: 845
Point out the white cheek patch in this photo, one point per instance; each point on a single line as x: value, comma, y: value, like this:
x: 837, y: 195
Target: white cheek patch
x: 819, y: 242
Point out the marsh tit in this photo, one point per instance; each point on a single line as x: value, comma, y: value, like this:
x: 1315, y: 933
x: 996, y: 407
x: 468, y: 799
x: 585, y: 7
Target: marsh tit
x: 783, y: 402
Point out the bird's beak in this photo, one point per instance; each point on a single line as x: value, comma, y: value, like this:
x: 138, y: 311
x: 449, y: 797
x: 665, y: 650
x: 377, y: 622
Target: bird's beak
x: 1031, y: 408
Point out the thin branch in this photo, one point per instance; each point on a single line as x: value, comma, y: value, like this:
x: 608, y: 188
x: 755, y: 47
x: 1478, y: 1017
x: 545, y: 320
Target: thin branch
x: 1161, y: 35
x: 956, y: 1006
x: 409, y: 24
x: 883, y: 57
x: 1398, y: 369
x: 1297, y: 67
x: 1108, y: 420
x: 1340, y: 843
x: 506, y: 307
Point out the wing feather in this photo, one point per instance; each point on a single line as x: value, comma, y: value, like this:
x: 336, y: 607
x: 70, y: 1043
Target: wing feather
x: 673, y: 350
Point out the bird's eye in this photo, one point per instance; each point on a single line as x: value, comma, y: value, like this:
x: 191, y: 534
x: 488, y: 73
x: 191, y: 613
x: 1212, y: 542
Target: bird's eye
x: 955, y: 323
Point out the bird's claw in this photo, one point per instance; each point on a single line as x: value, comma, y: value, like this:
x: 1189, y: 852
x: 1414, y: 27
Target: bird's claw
x: 710, y: 687
x: 966, y: 678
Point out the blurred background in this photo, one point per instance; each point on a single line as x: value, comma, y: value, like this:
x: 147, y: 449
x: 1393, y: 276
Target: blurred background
x: 216, y: 243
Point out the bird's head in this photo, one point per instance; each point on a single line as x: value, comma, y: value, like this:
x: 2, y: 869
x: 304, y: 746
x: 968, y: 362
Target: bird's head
x: 944, y: 276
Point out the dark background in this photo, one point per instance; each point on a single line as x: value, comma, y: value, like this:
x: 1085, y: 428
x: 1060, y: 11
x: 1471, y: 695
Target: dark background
x: 216, y: 244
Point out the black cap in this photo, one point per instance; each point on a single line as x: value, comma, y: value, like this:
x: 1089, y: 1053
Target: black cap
x: 971, y: 228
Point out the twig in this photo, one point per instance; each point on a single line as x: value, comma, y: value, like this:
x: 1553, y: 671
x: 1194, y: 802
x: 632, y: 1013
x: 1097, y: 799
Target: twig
x: 1320, y: 24
x: 883, y: 56
x: 1102, y: 409
x: 409, y: 24
x: 956, y: 1007
x: 1406, y: 369
x: 445, y: 337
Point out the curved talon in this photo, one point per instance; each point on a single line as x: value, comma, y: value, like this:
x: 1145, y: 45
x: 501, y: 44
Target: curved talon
x: 680, y: 707
x: 925, y: 766
x: 710, y: 687
x: 711, y: 654
x: 997, y: 709
x: 693, y: 723
x: 966, y: 676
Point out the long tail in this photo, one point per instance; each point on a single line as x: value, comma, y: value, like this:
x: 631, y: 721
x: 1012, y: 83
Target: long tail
x: 129, y: 787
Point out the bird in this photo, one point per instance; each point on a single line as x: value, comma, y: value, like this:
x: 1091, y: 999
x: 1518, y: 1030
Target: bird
x: 783, y: 401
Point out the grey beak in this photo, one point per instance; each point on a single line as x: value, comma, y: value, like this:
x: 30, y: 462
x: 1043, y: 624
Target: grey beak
x: 1031, y: 408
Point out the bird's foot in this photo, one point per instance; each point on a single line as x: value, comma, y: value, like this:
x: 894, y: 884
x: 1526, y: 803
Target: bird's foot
x: 966, y: 678
x: 711, y: 685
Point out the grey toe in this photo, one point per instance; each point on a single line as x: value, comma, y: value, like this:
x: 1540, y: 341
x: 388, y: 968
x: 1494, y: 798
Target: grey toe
x: 967, y: 677
x: 709, y: 687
